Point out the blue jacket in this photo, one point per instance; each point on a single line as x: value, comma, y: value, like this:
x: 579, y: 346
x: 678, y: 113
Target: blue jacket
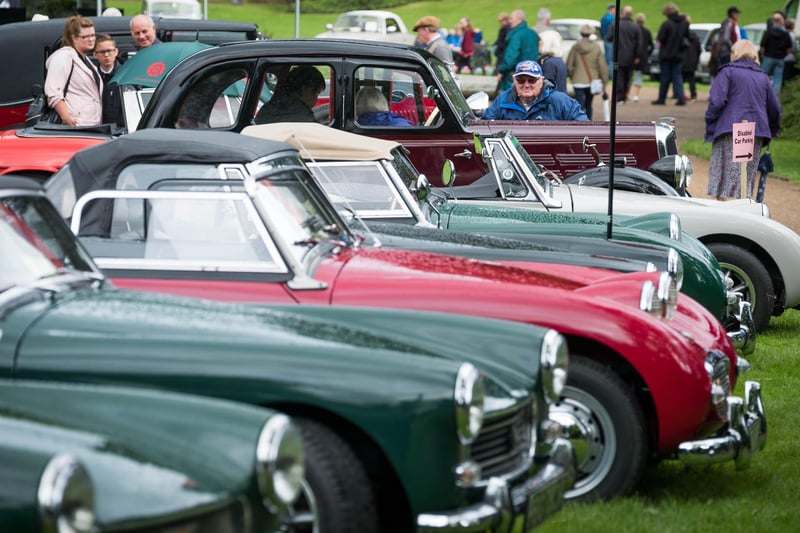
x: 382, y: 118
x: 551, y: 105
x: 742, y: 91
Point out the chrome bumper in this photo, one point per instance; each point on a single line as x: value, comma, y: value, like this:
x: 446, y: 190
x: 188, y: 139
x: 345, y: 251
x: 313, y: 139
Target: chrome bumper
x: 506, y: 505
x: 744, y: 435
x: 740, y: 326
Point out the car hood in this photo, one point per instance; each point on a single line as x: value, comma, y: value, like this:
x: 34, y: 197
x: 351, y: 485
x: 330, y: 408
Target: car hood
x: 193, y: 337
x: 106, y: 432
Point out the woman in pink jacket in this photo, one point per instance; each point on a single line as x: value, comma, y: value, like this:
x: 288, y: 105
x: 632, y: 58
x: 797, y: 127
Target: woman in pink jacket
x: 73, y: 85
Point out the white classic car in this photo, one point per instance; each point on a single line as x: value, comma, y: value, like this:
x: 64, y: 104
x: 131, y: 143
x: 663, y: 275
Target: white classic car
x: 370, y: 25
x: 759, y: 255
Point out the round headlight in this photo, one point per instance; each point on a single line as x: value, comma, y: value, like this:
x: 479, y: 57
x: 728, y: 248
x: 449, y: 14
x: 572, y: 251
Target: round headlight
x: 66, y: 496
x: 280, y: 462
x: 469, y: 396
x: 554, y: 359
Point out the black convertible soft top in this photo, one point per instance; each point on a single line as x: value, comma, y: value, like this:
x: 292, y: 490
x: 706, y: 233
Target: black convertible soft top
x: 97, y: 167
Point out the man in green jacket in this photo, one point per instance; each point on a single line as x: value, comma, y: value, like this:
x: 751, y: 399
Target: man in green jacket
x: 522, y: 44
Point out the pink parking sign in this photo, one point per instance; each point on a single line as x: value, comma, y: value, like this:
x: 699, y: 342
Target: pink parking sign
x: 744, y: 137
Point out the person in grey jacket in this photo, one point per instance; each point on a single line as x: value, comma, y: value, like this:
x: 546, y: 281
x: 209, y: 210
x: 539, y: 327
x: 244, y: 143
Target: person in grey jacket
x: 741, y: 92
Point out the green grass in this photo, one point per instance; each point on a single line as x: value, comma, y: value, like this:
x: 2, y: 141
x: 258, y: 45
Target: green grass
x: 718, y: 498
x: 278, y: 21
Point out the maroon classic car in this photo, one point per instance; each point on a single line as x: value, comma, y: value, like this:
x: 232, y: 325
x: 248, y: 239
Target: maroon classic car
x: 230, y: 217
x: 416, y: 85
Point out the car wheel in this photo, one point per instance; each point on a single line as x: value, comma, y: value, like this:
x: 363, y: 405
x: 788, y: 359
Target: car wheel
x: 601, y: 417
x: 750, y: 279
x: 337, y: 496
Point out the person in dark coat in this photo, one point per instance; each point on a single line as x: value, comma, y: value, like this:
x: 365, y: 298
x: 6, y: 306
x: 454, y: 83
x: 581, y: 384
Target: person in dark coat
x: 741, y: 92
x: 627, y: 51
x: 776, y: 43
x: 671, y: 37
x: 691, y: 58
x: 105, y: 53
x: 643, y: 66
x: 531, y: 98
x: 553, y: 66
x: 522, y: 44
x: 294, y: 97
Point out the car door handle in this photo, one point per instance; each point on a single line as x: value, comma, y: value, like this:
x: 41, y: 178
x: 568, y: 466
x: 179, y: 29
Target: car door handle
x: 466, y: 154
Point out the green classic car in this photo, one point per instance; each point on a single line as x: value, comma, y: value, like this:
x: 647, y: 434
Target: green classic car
x: 410, y: 419
x: 83, y: 458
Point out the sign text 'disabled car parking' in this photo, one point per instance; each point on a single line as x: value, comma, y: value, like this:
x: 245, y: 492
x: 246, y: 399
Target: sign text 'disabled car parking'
x: 744, y: 136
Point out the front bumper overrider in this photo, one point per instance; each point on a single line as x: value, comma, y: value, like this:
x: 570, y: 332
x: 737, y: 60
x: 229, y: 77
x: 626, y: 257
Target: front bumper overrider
x: 744, y: 434
x: 740, y: 326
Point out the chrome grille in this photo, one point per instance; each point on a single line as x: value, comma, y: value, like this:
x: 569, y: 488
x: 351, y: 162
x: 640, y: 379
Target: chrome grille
x: 504, y: 443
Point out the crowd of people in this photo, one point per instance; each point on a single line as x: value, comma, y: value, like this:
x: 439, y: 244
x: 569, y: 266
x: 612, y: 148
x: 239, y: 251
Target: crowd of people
x: 77, y: 88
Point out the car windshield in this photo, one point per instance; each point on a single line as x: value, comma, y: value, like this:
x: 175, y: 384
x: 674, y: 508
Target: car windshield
x: 363, y: 186
x: 451, y: 89
x: 35, y: 243
x: 300, y: 218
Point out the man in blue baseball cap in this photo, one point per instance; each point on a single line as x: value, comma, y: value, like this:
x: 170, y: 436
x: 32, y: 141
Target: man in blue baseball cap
x: 531, y: 97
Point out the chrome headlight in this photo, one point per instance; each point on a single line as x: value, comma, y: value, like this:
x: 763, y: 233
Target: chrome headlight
x: 554, y: 359
x: 718, y: 367
x: 280, y: 462
x: 66, y: 496
x: 660, y: 301
x: 469, y: 397
x: 675, y: 267
x: 674, y: 227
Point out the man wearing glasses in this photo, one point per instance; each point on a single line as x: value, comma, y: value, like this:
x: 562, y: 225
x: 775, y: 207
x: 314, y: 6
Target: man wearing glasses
x: 106, y: 52
x: 532, y: 98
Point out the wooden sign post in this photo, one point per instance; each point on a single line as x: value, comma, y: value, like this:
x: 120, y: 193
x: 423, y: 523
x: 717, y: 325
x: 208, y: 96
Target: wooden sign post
x: 744, y: 139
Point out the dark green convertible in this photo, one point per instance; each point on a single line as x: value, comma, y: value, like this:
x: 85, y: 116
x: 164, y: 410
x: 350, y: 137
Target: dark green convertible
x: 88, y: 459
x: 411, y: 420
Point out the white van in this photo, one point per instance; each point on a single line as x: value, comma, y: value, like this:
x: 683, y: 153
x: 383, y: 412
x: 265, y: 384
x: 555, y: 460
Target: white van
x: 185, y: 9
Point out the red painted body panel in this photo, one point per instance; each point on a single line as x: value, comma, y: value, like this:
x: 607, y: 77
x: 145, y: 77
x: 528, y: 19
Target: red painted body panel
x: 671, y: 365
x: 38, y: 154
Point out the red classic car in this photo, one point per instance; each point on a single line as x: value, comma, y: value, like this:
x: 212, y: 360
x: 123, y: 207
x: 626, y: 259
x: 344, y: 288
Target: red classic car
x: 228, y: 217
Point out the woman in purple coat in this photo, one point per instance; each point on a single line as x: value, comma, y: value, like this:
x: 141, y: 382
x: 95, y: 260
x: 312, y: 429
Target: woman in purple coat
x: 741, y: 92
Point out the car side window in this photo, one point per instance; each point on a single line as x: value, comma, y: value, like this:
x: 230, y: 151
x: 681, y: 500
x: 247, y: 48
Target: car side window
x: 407, y: 96
x: 214, y: 101
x: 276, y: 84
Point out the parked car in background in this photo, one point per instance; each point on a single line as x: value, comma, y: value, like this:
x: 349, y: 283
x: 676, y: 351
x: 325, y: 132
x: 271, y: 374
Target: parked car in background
x: 371, y: 25
x: 706, y: 32
x: 32, y: 41
x: 185, y: 9
x: 84, y: 458
x: 757, y: 253
x: 418, y: 86
x: 403, y: 430
x: 226, y: 216
x: 570, y: 31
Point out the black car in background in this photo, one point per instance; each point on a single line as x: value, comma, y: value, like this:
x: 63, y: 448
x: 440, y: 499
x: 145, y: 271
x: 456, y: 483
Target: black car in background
x: 32, y: 41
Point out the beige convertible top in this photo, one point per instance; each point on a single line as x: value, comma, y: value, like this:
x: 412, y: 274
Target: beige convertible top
x: 324, y: 143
